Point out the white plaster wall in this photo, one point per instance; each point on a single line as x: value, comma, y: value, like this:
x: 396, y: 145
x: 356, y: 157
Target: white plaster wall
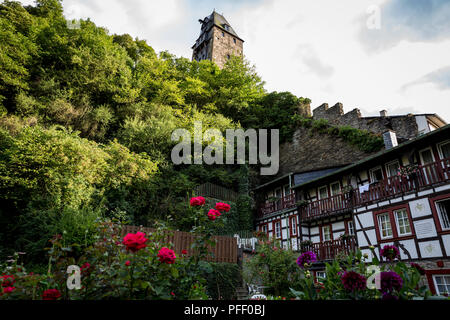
x: 366, y: 220
x: 362, y: 242
x: 420, y: 208
x: 314, y: 230
x: 338, y: 225
x: 425, y: 228
x: 411, y: 247
x: 446, y: 240
x: 430, y: 249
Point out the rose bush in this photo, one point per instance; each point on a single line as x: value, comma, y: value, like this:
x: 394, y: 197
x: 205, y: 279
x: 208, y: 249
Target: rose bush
x: 137, y: 266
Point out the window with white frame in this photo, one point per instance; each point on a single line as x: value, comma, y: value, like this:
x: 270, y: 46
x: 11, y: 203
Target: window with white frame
x: 335, y: 188
x: 444, y: 150
x: 278, y: 229
x: 323, y: 192
x: 392, y: 168
x: 326, y: 233
x: 264, y: 228
x: 442, y: 284
x: 443, y: 209
x: 321, y: 275
x: 351, y: 228
x: 294, y: 226
x: 402, y: 221
x: 384, y: 224
x: 376, y: 174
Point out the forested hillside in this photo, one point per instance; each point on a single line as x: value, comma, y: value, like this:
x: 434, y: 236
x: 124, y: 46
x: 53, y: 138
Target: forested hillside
x: 86, y: 119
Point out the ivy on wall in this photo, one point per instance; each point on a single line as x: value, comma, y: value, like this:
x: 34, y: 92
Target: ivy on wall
x: 364, y: 140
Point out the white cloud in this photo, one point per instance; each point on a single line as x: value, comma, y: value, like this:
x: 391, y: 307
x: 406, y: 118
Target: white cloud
x: 311, y: 48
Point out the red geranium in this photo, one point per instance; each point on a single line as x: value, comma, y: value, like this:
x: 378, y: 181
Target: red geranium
x: 197, y: 201
x: 51, y: 294
x: 135, y: 241
x: 127, y: 263
x: 222, y: 206
x: 166, y: 255
x: 183, y: 251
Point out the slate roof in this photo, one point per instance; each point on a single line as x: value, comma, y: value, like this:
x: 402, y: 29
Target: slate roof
x: 219, y: 21
x: 301, y: 178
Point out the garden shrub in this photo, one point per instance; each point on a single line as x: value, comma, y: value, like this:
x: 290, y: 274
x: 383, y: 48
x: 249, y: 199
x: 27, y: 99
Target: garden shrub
x: 223, y: 280
x: 274, y: 267
x: 356, y: 279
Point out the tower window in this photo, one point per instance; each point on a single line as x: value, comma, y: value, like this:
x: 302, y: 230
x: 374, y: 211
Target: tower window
x: 234, y: 40
x: 228, y: 56
x: 223, y: 34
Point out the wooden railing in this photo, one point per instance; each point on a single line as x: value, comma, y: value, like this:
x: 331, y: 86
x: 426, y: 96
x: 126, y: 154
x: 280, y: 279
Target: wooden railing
x: 210, y: 190
x: 328, y: 206
x: 225, y: 250
x: 285, y: 202
x: 329, y: 250
x: 425, y: 177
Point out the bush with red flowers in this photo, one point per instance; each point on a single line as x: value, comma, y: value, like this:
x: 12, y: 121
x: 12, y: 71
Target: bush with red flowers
x: 220, y: 206
x: 197, y: 201
x: 51, y: 294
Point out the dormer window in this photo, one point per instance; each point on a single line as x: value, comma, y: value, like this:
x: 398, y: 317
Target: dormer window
x: 226, y: 27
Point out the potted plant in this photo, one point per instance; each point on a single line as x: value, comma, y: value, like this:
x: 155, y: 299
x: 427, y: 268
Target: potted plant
x: 302, y: 203
x: 306, y: 245
x: 273, y: 199
x: 409, y: 171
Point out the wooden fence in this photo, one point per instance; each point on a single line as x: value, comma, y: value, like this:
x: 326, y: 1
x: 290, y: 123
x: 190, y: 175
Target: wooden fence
x: 211, y: 190
x: 225, y: 250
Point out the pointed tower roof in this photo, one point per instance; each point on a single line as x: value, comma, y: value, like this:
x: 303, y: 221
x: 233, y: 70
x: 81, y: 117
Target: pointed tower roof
x: 218, y: 20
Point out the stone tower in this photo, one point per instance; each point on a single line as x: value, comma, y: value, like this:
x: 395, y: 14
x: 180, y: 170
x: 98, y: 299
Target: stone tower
x: 218, y: 41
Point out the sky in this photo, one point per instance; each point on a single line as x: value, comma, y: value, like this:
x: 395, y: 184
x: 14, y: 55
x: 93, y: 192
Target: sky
x: 366, y: 54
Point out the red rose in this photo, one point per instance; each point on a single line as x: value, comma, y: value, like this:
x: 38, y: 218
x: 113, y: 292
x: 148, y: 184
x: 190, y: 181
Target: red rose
x: 173, y: 294
x: 85, y: 267
x: 51, y: 294
x: 222, y: 206
x: 183, y: 251
x: 213, y: 214
x: 197, y: 201
x: 8, y: 289
x: 127, y: 263
x: 135, y: 242
x: 166, y: 255
x: 7, y: 280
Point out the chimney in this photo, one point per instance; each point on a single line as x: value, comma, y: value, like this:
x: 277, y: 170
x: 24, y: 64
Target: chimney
x: 383, y: 113
x: 390, y: 139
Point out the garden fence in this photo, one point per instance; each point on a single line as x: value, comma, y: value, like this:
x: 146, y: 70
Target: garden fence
x: 225, y: 250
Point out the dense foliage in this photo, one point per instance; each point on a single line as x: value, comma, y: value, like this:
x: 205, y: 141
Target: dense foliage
x: 355, y: 277
x: 85, y: 127
x: 273, y: 267
x: 135, y: 266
